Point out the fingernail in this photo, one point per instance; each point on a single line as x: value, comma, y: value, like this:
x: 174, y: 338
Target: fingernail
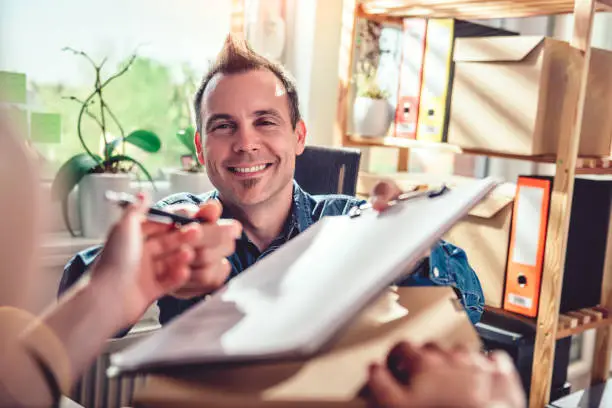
x: 238, y: 231
x: 506, y: 366
x: 235, y: 226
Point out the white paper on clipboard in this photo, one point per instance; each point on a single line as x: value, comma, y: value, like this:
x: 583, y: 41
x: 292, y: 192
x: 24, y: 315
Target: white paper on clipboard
x: 295, y: 300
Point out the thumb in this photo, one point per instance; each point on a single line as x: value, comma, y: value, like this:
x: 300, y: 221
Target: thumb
x: 209, y: 211
x: 383, y: 192
x: 136, y: 211
x: 385, y: 390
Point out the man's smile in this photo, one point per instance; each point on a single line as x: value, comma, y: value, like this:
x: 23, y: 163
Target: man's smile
x: 249, y: 170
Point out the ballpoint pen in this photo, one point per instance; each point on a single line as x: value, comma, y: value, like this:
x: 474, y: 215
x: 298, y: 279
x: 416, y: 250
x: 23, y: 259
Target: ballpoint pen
x: 357, y: 211
x: 153, y: 214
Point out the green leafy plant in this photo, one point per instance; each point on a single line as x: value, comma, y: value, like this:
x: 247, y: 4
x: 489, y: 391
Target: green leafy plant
x: 367, y: 87
x: 186, y: 137
x: 368, y: 61
x: 113, y: 158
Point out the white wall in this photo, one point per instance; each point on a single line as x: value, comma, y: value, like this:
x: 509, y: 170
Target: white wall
x: 313, y: 38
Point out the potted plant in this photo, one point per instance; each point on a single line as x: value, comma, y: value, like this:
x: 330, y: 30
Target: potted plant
x: 372, y: 113
x: 192, y: 177
x: 97, y: 173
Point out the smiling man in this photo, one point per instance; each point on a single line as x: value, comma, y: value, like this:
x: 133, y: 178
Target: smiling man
x: 249, y: 132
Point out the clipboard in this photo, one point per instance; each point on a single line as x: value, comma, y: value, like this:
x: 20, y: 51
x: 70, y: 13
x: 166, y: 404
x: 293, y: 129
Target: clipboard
x: 296, y: 301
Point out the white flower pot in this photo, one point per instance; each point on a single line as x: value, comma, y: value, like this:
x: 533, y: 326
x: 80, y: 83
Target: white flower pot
x: 188, y: 182
x: 96, y: 213
x: 371, y: 117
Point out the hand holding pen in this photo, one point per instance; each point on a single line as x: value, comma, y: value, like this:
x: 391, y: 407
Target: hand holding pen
x: 216, y: 240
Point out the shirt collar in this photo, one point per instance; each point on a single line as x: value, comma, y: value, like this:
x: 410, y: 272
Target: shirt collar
x: 300, y: 217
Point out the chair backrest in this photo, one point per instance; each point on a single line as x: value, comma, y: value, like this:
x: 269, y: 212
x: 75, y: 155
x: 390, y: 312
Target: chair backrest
x: 327, y: 170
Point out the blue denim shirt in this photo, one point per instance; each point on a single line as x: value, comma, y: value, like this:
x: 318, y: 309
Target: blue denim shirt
x: 446, y: 266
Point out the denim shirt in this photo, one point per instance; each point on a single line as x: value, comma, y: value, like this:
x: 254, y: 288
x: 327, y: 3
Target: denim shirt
x: 446, y: 266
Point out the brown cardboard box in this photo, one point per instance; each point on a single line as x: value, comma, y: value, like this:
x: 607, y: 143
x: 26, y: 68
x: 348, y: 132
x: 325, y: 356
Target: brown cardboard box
x: 508, y: 94
x: 484, y: 236
x: 334, y: 377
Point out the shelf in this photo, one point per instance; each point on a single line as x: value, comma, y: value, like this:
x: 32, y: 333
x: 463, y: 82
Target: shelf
x: 570, y: 323
x: 584, y: 165
x: 473, y: 9
x: 499, y: 311
x: 573, y: 323
x: 372, y: 141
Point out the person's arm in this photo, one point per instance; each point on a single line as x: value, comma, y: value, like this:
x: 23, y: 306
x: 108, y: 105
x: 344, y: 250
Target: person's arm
x: 139, y: 263
x: 54, y: 349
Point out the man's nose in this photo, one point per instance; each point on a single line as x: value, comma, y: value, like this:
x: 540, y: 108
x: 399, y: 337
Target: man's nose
x: 247, y: 140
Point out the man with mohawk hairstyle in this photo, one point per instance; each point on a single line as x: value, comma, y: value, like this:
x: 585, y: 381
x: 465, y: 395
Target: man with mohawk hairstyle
x: 249, y: 132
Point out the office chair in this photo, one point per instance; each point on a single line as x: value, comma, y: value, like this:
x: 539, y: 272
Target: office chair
x: 326, y: 170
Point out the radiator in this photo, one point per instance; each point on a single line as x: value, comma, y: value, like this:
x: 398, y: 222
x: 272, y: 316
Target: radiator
x: 96, y: 390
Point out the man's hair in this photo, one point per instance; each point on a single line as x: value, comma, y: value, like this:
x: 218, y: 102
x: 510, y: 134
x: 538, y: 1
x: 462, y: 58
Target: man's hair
x: 237, y: 57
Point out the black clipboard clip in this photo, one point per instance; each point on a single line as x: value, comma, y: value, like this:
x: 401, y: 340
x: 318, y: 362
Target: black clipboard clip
x: 431, y: 193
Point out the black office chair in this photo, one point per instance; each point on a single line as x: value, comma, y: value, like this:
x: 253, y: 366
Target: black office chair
x: 326, y: 170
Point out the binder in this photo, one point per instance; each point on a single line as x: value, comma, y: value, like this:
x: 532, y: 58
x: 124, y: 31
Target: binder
x: 527, y: 244
x: 438, y: 71
x: 283, y: 307
x: 411, y: 75
x: 436, y: 78
x: 585, y: 251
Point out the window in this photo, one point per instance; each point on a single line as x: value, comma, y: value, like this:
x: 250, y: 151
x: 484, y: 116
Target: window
x: 174, y: 42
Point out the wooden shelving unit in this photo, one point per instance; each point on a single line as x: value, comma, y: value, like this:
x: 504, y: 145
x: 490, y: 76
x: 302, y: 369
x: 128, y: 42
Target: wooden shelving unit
x: 549, y: 325
x: 584, y: 165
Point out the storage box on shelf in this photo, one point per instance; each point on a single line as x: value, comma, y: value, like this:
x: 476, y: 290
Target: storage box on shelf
x: 564, y: 153
x: 513, y: 87
x: 472, y: 9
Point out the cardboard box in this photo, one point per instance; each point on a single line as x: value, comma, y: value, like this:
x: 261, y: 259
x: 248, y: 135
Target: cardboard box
x: 332, y: 378
x: 508, y: 96
x: 484, y: 236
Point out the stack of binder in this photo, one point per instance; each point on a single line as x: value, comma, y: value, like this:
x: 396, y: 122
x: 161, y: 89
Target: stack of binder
x: 426, y: 73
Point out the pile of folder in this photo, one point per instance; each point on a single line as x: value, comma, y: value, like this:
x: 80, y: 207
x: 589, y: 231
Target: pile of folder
x: 426, y: 73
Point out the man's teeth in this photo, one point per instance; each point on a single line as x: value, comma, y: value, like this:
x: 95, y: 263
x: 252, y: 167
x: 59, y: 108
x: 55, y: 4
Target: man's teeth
x: 249, y: 169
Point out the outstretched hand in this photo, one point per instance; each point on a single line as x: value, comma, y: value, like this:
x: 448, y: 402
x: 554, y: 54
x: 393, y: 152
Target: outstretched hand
x: 142, y: 261
x: 429, y: 376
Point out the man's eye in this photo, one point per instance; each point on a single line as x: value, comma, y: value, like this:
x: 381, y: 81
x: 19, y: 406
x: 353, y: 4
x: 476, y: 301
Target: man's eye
x: 266, y: 123
x: 222, y: 126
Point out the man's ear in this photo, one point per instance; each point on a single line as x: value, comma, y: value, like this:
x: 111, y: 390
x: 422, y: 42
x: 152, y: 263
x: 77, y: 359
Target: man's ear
x: 300, y: 131
x: 199, y: 148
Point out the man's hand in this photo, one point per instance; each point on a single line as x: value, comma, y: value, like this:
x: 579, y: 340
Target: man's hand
x: 209, y: 268
x: 431, y: 377
x: 384, y: 192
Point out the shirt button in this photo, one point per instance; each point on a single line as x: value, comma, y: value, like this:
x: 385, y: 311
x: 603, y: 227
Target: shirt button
x: 436, y: 272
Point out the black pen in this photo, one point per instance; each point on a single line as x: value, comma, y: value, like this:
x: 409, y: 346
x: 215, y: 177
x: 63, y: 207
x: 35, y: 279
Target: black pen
x: 153, y: 214
x: 357, y: 211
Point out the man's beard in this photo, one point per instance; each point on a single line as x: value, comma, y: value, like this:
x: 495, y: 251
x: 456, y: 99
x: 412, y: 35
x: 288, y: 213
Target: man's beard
x: 250, y: 183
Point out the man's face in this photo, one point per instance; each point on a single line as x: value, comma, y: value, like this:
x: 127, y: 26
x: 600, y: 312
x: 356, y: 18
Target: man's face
x: 249, y: 144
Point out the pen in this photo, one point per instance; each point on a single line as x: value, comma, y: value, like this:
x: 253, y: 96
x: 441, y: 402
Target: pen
x: 356, y: 211
x: 153, y: 214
